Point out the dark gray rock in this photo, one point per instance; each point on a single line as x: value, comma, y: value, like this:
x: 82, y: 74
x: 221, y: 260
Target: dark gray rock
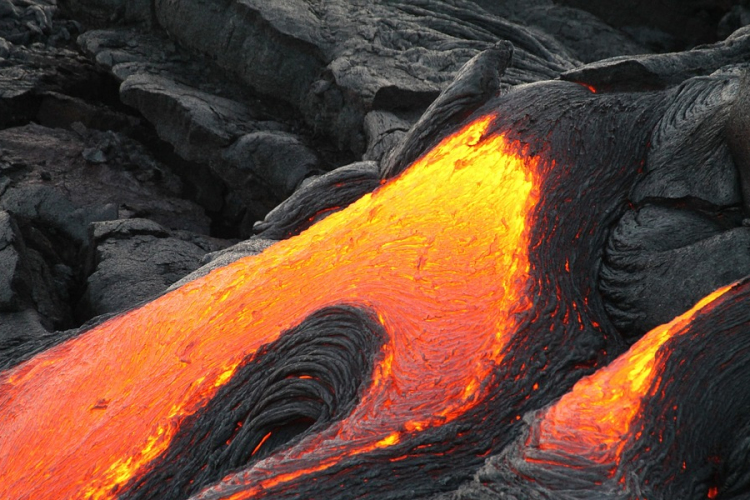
x: 52, y: 208
x: 36, y: 24
x: 689, y: 155
x: 133, y: 260
x: 737, y: 134
x: 475, y: 83
x: 58, y: 110
x: 661, y: 260
x: 98, y: 12
x: 199, y: 125
x: 384, y: 131
x: 125, y: 52
x: 19, y: 333
x: 663, y: 70
x: 511, y: 8
x: 317, y: 199
x: 191, y: 110
x: 339, y: 60
x: 7, y: 9
x: 27, y: 279
x: 13, y: 272
x: 686, y: 22
x: 5, y: 48
x: 586, y: 36
x: 129, y: 183
x: 278, y: 159
x: 264, y: 168
x: 26, y: 73
x: 733, y: 20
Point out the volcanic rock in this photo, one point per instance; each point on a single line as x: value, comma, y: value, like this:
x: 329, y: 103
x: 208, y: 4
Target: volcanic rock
x: 656, y: 71
x: 32, y: 276
x: 198, y: 124
x: 384, y: 131
x: 12, y: 272
x: 220, y: 258
x: 317, y: 198
x: 27, y: 73
x: 125, y: 152
x: 660, y: 260
x: 229, y: 138
x: 133, y: 260
x: 57, y: 182
x: 674, y: 24
x: 99, y: 12
x: 689, y: 155
x: 20, y: 334
x: 266, y: 167
x: 337, y: 61
x: 737, y: 130
x: 586, y: 36
x: 124, y: 180
x: 477, y: 81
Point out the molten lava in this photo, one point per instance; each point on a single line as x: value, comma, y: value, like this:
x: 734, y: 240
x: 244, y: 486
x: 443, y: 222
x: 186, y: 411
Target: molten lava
x: 666, y: 419
x: 440, y: 254
x: 594, y: 420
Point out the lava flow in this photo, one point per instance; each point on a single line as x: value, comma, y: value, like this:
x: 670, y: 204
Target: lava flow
x: 666, y: 419
x: 595, y: 418
x: 440, y: 255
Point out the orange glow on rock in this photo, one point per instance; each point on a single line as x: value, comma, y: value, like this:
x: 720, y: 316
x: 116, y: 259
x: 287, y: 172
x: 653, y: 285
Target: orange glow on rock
x: 441, y: 253
x: 593, y: 420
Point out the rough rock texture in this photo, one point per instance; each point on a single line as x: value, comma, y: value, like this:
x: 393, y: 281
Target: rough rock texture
x: 68, y: 179
x: 476, y: 82
x: 317, y: 198
x: 14, y: 277
x: 587, y: 37
x: 132, y: 260
x: 215, y: 260
x: 690, y: 156
x: 338, y: 60
x: 265, y: 168
x: 384, y: 131
x: 644, y: 278
x: 658, y: 71
x: 54, y: 183
x: 211, y: 123
x: 737, y: 130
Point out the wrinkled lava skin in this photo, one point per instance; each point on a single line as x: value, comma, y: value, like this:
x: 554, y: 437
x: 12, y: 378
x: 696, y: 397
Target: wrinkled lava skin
x: 477, y: 265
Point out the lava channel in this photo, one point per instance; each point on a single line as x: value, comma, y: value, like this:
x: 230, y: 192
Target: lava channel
x: 461, y: 268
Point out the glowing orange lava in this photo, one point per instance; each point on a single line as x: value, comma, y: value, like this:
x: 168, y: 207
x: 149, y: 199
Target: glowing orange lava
x: 593, y: 419
x: 440, y: 253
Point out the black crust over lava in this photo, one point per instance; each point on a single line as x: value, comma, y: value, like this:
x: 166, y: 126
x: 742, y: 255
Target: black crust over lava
x: 309, y: 378
x: 691, y: 436
x: 597, y: 142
